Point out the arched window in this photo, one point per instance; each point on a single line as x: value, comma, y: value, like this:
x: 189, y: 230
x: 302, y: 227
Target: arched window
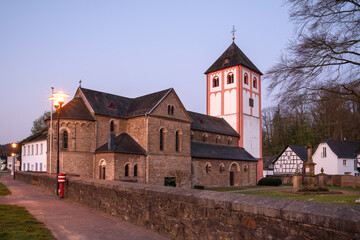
x: 216, y: 81
x: 65, y: 140
x: 112, y: 127
x: 222, y: 168
x: 192, y: 135
x: 218, y: 139
x: 229, y: 140
x: 204, y: 137
x: 126, y: 170
x: 246, y: 78
x: 230, y: 78
x: 169, y: 109
x: 135, y: 170
x: 161, y: 139
x: 178, y: 140
x: 208, y: 167
x: 254, y: 82
x: 172, y: 110
x: 102, y: 167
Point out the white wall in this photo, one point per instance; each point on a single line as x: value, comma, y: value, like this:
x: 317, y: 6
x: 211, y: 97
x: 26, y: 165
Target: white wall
x: 231, y: 119
x: 252, y: 135
x: 329, y: 163
x: 34, y: 158
x: 230, y: 102
x: 215, y: 104
x: 246, y: 106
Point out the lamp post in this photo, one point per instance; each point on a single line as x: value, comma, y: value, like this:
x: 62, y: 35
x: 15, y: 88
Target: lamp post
x: 58, y: 99
x: 13, y: 145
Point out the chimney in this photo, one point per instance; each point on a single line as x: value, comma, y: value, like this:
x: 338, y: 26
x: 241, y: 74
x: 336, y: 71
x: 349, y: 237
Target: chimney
x: 111, y: 141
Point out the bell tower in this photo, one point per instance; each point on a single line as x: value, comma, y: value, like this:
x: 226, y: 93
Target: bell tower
x: 234, y: 93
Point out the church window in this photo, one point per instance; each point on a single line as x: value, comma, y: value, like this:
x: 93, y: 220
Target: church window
x: 246, y: 78
x: 112, y: 126
x: 162, y: 139
x: 102, y: 167
x: 135, y: 170
x: 65, y: 140
x: 229, y: 140
x: 208, y: 167
x: 222, y: 168
x: 230, y: 78
x: 218, y: 139
x: 255, y: 83
x: 204, y: 137
x: 178, y: 137
x: 192, y: 135
x: 216, y: 81
x: 251, y: 102
x: 126, y: 170
x: 170, y: 110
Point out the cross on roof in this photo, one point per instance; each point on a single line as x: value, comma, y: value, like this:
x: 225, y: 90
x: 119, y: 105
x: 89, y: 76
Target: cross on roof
x: 80, y: 83
x: 233, y: 33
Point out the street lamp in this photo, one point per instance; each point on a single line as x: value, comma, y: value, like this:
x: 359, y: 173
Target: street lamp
x: 13, y: 145
x: 58, y: 99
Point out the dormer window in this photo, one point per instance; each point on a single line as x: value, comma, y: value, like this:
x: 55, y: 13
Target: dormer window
x: 226, y: 60
x: 230, y: 78
x: 216, y: 81
x: 254, y: 82
x: 246, y: 79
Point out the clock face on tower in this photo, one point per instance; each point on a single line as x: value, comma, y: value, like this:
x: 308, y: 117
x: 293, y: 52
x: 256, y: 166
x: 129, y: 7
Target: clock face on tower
x: 233, y: 93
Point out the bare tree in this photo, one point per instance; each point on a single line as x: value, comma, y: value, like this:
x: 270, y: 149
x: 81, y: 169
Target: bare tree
x: 325, y: 54
x: 181, y: 177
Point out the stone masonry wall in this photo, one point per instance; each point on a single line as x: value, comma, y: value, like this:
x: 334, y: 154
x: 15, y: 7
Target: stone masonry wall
x: 196, y: 214
x: 215, y: 178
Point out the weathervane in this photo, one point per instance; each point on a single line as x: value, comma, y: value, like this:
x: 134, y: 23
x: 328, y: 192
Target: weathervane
x: 233, y: 33
x: 80, y: 83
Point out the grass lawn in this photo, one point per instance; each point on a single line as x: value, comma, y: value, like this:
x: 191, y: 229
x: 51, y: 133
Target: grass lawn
x: 336, y: 199
x: 17, y: 223
x: 4, y: 190
x: 226, y: 189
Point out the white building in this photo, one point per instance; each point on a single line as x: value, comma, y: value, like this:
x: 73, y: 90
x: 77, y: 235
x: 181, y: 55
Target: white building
x: 291, y: 158
x: 34, y: 153
x: 336, y: 157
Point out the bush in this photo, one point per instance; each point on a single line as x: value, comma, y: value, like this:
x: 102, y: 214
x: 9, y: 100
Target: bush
x: 198, y: 187
x: 268, y: 181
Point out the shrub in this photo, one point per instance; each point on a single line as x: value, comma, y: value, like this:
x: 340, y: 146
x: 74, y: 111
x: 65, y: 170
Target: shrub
x: 198, y: 187
x: 268, y: 181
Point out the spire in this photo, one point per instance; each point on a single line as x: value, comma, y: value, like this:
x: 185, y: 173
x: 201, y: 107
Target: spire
x: 233, y: 33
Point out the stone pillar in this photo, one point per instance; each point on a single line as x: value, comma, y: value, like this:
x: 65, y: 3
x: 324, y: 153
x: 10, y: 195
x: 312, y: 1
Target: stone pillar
x: 297, y: 181
x: 322, y: 179
x: 309, y: 167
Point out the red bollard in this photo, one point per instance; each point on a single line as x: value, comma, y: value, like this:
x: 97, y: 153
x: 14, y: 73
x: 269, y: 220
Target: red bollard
x: 61, y: 180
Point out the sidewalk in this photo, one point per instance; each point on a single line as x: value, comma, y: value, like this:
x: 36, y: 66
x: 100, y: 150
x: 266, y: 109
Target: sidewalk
x: 70, y: 220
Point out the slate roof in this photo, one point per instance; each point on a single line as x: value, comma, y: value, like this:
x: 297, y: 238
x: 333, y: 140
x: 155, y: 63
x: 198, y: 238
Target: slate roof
x: 357, y: 151
x: 208, y: 123
x: 38, y: 137
x: 123, y: 107
x: 301, y: 151
x: 342, y: 148
x: 267, y: 161
x: 124, y: 143
x: 214, y: 151
x: 75, y: 109
x: 235, y: 57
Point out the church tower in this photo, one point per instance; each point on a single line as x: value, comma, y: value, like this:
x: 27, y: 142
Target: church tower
x: 234, y: 93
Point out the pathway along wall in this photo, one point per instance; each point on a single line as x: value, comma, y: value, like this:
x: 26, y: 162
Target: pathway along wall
x: 197, y: 214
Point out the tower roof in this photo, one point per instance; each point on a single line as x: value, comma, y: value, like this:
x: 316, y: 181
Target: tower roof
x: 235, y: 57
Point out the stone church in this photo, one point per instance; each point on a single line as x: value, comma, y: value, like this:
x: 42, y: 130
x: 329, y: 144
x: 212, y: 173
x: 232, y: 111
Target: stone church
x: 153, y: 139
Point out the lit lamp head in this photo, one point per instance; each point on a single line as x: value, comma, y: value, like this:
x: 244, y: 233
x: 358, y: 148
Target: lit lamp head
x: 13, y: 145
x: 13, y: 154
x: 58, y: 99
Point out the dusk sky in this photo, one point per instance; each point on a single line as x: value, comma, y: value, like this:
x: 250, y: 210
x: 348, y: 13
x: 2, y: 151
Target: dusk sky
x: 128, y: 48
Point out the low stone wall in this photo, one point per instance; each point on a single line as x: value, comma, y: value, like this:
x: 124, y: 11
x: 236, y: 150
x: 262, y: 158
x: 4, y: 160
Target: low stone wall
x: 197, y: 214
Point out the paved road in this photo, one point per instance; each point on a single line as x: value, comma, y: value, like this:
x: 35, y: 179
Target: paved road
x: 70, y: 220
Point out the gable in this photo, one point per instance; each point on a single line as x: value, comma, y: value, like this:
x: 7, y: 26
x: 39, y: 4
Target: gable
x: 171, y: 106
